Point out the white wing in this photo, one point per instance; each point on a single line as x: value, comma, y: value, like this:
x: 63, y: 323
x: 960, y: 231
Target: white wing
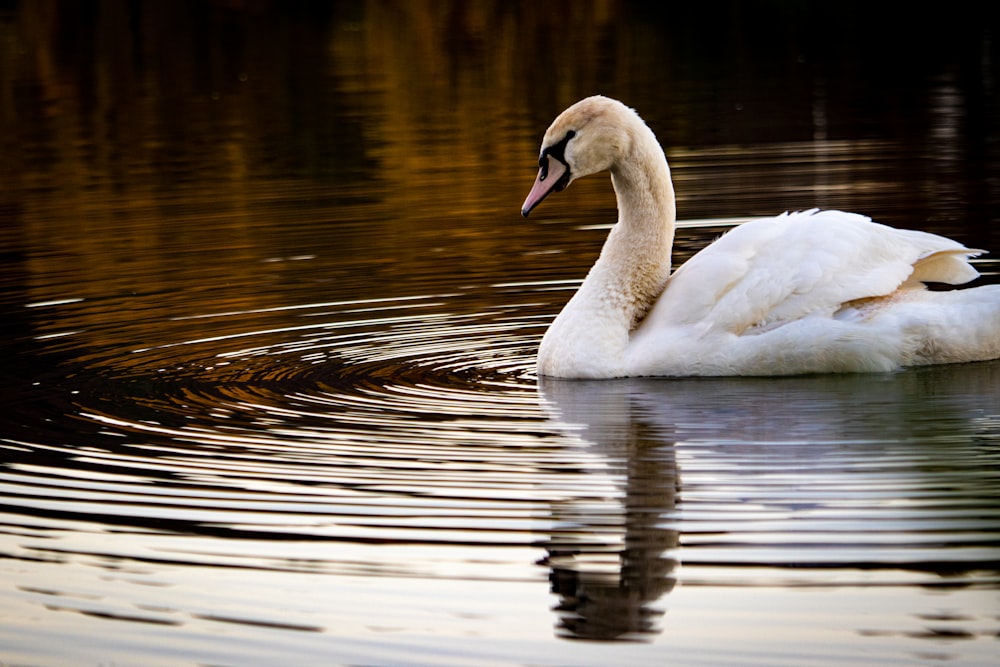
x: 769, y: 272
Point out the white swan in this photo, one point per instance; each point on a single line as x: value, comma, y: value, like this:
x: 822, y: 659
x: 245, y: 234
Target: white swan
x: 819, y: 291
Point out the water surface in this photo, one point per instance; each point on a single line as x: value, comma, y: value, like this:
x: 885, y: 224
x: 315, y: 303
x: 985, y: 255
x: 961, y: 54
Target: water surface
x: 269, y: 319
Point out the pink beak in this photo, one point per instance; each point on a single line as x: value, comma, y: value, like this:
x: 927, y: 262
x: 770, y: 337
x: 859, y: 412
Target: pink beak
x: 546, y: 182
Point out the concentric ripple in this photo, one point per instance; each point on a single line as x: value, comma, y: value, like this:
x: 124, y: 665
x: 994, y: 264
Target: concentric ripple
x: 340, y: 413
x: 419, y: 421
x: 410, y: 438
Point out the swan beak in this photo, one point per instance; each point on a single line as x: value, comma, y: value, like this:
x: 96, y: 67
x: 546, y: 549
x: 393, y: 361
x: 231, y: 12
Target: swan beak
x: 552, y: 177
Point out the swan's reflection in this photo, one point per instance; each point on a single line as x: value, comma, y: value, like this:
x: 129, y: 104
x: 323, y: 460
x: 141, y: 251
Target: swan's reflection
x: 611, y: 554
x: 613, y: 550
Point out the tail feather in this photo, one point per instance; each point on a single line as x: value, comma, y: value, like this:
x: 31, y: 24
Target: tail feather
x: 946, y: 266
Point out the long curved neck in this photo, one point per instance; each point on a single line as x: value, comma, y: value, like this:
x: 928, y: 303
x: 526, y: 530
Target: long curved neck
x: 591, y: 334
x: 635, y: 261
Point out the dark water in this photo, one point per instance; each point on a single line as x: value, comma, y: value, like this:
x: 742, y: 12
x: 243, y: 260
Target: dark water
x: 269, y: 316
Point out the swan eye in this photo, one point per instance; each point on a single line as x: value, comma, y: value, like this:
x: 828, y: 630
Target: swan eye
x: 556, y: 151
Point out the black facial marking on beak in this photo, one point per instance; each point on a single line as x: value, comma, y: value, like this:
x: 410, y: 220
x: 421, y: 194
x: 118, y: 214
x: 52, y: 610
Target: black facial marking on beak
x: 552, y: 162
x: 557, y: 152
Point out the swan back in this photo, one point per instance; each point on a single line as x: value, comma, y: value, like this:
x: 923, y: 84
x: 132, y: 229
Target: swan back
x: 771, y: 271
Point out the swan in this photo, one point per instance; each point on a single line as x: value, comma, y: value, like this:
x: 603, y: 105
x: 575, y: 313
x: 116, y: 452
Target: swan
x: 818, y: 291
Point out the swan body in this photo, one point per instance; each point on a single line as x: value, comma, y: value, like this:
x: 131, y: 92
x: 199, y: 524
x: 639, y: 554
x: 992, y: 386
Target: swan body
x: 809, y: 292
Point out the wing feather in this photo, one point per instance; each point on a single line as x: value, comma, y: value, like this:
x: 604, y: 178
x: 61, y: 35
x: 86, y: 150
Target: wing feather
x: 768, y: 272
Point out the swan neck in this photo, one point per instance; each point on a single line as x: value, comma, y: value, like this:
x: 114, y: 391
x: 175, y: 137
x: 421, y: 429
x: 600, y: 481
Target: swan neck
x: 636, y: 256
x: 590, y: 336
x: 645, y: 193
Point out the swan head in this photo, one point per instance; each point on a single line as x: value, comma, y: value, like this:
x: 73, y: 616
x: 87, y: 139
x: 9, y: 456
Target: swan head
x: 589, y: 137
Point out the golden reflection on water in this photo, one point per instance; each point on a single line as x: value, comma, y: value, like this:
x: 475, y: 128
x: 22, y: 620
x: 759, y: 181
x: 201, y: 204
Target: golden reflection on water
x: 271, y: 313
x: 419, y: 120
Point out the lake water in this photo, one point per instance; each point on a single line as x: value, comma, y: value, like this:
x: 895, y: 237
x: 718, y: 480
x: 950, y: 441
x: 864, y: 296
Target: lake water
x: 269, y: 315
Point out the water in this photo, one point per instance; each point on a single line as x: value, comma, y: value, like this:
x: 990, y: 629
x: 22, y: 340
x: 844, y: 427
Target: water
x: 269, y: 319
